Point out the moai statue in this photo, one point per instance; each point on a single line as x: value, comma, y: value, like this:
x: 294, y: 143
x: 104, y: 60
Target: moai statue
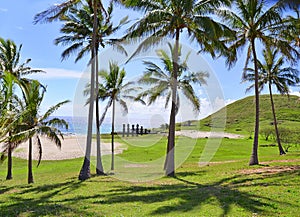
x: 132, y: 130
x: 128, y: 129
x: 137, y: 129
x: 123, y: 133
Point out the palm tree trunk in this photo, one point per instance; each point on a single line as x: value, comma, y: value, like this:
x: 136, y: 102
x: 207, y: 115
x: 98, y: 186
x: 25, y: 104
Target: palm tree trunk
x: 112, y: 137
x: 9, y: 153
x: 30, y: 175
x: 281, y: 151
x: 9, y: 162
x: 99, y: 167
x: 254, y: 155
x: 170, y: 158
x: 85, y: 169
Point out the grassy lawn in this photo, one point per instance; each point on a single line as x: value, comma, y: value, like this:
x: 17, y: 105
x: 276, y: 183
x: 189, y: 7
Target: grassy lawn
x: 225, y: 187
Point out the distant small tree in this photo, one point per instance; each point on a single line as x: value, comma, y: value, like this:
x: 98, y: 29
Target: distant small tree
x: 267, y: 132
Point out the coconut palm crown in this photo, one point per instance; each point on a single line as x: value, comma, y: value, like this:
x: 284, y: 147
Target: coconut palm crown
x: 78, y: 31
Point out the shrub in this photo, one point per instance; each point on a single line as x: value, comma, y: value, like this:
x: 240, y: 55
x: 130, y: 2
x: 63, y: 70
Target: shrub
x: 268, y: 132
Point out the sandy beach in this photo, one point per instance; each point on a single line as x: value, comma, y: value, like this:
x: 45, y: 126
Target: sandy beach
x: 72, y: 147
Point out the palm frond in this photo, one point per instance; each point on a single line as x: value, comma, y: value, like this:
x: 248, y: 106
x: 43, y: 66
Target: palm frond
x: 51, y: 133
x: 39, y: 145
x: 109, y: 103
x: 53, y: 109
x: 124, y: 106
x: 57, y: 122
x: 144, y: 45
x: 190, y: 94
x: 168, y: 97
x: 54, y: 12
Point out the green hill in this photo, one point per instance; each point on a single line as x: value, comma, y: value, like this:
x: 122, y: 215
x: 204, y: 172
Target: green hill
x: 240, y: 115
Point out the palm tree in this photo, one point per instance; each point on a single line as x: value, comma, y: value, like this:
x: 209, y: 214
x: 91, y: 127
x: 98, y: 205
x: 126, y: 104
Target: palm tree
x: 252, y: 21
x: 161, y: 80
x: 114, y: 89
x: 172, y: 19
x: 32, y: 125
x: 272, y: 72
x: 9, y: 63
x: 55, y: 13
x: 78, y: 32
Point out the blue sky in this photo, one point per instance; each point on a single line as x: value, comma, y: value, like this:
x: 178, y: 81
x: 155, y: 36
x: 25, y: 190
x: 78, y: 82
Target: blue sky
x: 62, y: 77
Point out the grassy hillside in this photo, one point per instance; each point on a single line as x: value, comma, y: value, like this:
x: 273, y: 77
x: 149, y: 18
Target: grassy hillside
x: 240, y: 115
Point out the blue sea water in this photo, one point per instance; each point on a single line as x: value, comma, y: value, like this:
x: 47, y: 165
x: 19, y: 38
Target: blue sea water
x: 78, y: 126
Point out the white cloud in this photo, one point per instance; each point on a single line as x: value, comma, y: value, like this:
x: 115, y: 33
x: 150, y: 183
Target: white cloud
x: 296, y: 93
x: 208, y: 108
x: 19, y: 27
x: 54, y: 73
x: 3, y: 9
x: 229, y: 101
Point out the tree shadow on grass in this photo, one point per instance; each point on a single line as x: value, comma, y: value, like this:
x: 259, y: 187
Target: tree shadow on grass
x: 39, y: 202
x: 275, y: 176
x: 179, y: 195
x: 191, y: 195
x: 4, y: 189
x: 190, y: 173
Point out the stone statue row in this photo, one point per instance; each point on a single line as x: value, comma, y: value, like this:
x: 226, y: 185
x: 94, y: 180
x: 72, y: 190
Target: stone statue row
x: 135, y: 130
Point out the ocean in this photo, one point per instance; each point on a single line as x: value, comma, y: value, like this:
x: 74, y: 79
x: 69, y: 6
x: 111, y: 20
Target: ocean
x: 78, y: 126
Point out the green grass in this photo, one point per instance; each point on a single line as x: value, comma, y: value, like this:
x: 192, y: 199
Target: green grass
x: 229, y: 188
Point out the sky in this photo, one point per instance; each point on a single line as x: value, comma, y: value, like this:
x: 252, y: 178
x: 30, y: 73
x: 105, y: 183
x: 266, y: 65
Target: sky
x: 63, y: 78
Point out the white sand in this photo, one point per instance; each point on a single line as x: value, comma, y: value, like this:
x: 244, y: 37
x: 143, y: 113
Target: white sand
x: 201, y: 134
x: 72, y: 147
